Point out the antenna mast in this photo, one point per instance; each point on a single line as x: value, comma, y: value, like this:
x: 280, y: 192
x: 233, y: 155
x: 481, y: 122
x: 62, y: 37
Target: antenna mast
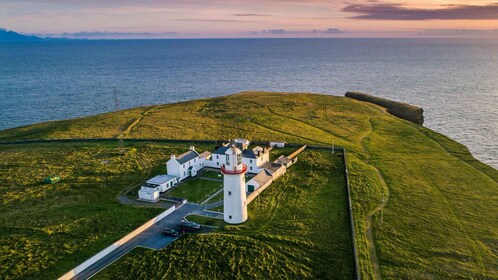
x: 116, y: 108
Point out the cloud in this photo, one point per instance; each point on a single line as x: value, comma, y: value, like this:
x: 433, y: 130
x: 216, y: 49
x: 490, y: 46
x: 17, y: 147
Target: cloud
x: 389, y: 11
x: 106, y: 34
x: 251, y: 15
x: 212, y: 20
x: 332, y: 31
x: 296, y: 32
x: 459, y: 32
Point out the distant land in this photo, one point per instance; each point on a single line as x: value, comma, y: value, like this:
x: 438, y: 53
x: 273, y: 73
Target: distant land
x: 11, y: 36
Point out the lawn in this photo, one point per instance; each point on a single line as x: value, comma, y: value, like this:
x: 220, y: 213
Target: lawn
x: 298, y: 228
x: 212, y: 175
x: 205, y: 220
x: 440, y: 218
x: 196, y: 189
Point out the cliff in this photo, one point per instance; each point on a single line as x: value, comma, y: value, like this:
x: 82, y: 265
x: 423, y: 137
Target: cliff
x: 402, y: 110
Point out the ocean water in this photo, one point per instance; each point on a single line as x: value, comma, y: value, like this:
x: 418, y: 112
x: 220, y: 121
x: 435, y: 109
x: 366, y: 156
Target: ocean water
x: 454, y: 80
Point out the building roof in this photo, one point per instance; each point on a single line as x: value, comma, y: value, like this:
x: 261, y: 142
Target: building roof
x: 283, y: 160
x: 221, y: 150
x: 271, y: 167
x: 187, y: 156
x: 242, y: 140
x: 262, y: 178
x: 160, y: 179
x: 205, y: 154
x: 253, y: 153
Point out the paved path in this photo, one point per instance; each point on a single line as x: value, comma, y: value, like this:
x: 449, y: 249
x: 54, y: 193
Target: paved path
x: 150, y: 238
x: 213, y: 195
x: 214, y: 204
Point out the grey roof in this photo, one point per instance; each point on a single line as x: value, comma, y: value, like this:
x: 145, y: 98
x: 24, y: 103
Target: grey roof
x: 283, y: 160
x: 262, y: 177
x: 271, y: 167
x: 221, y: 150
x: 251, y: 153
x: 160, y: 179
x: 187, y: 156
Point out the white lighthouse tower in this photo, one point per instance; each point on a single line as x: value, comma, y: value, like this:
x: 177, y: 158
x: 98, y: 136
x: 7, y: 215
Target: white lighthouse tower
x: 234, y: 187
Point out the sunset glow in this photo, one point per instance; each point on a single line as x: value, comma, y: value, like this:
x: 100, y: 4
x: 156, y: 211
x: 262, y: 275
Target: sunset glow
x: 259, y: 18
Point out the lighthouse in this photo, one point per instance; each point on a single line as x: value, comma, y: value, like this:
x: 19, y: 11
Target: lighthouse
x: 234, y: 187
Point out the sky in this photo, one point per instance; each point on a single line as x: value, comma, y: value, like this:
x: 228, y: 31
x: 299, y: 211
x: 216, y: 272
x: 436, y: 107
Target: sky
x: 250, y: 18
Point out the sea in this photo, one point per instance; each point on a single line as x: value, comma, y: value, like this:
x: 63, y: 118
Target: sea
x: 454, y: 80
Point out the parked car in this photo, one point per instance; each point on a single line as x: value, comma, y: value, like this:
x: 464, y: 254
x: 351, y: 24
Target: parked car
x: 189, y: 226
x: 170, y: 232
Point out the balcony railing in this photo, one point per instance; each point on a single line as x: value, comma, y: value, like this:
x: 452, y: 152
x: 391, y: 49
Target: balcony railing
x: 238, y: 171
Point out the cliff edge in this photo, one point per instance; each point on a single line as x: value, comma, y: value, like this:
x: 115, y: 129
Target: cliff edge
x: 402, y: 110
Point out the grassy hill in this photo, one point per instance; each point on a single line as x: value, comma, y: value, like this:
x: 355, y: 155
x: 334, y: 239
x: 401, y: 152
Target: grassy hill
x: 441, y: 204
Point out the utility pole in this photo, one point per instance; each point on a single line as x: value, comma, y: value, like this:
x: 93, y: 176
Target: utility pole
x: 116, y: 108
x: 333, y: 147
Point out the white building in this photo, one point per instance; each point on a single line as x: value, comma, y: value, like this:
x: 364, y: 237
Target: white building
x: 253, y: 158
x: 277, y: 144
x: 187, y: 164
x: 234, y: 187
x: 156, y: 185
x: 164, y: 182
x: 150, y: 194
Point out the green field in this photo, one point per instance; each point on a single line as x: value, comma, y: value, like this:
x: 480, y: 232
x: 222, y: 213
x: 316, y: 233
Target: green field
x: 439, y: 220
x: 45, y: 230
x: 298, y: 228
x: 196, y: 189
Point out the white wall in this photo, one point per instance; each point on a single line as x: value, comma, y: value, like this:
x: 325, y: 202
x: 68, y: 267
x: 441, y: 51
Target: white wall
x: 70, y: 274
x: 148, y: 194
x: 173, y: 168
x: 234, y: 200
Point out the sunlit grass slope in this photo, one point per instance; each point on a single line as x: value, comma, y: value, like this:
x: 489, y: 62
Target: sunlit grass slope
x: 440, y: 220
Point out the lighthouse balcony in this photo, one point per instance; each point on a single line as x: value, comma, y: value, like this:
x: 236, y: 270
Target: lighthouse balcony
x: 238, y: 170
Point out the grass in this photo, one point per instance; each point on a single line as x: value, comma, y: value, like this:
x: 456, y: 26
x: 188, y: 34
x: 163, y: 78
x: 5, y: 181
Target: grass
x: 205, y: 221
x: 212, y: 175
x: 47, y: 229
x: 440, y: 217
x: 196, y: 189
x: 297, y: 229
x: 216, y: 198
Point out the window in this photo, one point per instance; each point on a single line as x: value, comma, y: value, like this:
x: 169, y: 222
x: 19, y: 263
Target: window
x: 228, y: 159
x: 229, y: 193
x: 217, y: 163
x: 194, y: 159
x: 250, y: 168
x: 230, y: 217
x: 250, y: 161
x: 184, y: 165
x: 217, y: 157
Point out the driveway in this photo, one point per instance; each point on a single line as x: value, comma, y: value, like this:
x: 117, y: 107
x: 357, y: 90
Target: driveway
x: 150, y: 238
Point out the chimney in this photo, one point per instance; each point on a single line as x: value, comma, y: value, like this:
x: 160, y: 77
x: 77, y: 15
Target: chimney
x: 173, y: 157
x: 192, y: 148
